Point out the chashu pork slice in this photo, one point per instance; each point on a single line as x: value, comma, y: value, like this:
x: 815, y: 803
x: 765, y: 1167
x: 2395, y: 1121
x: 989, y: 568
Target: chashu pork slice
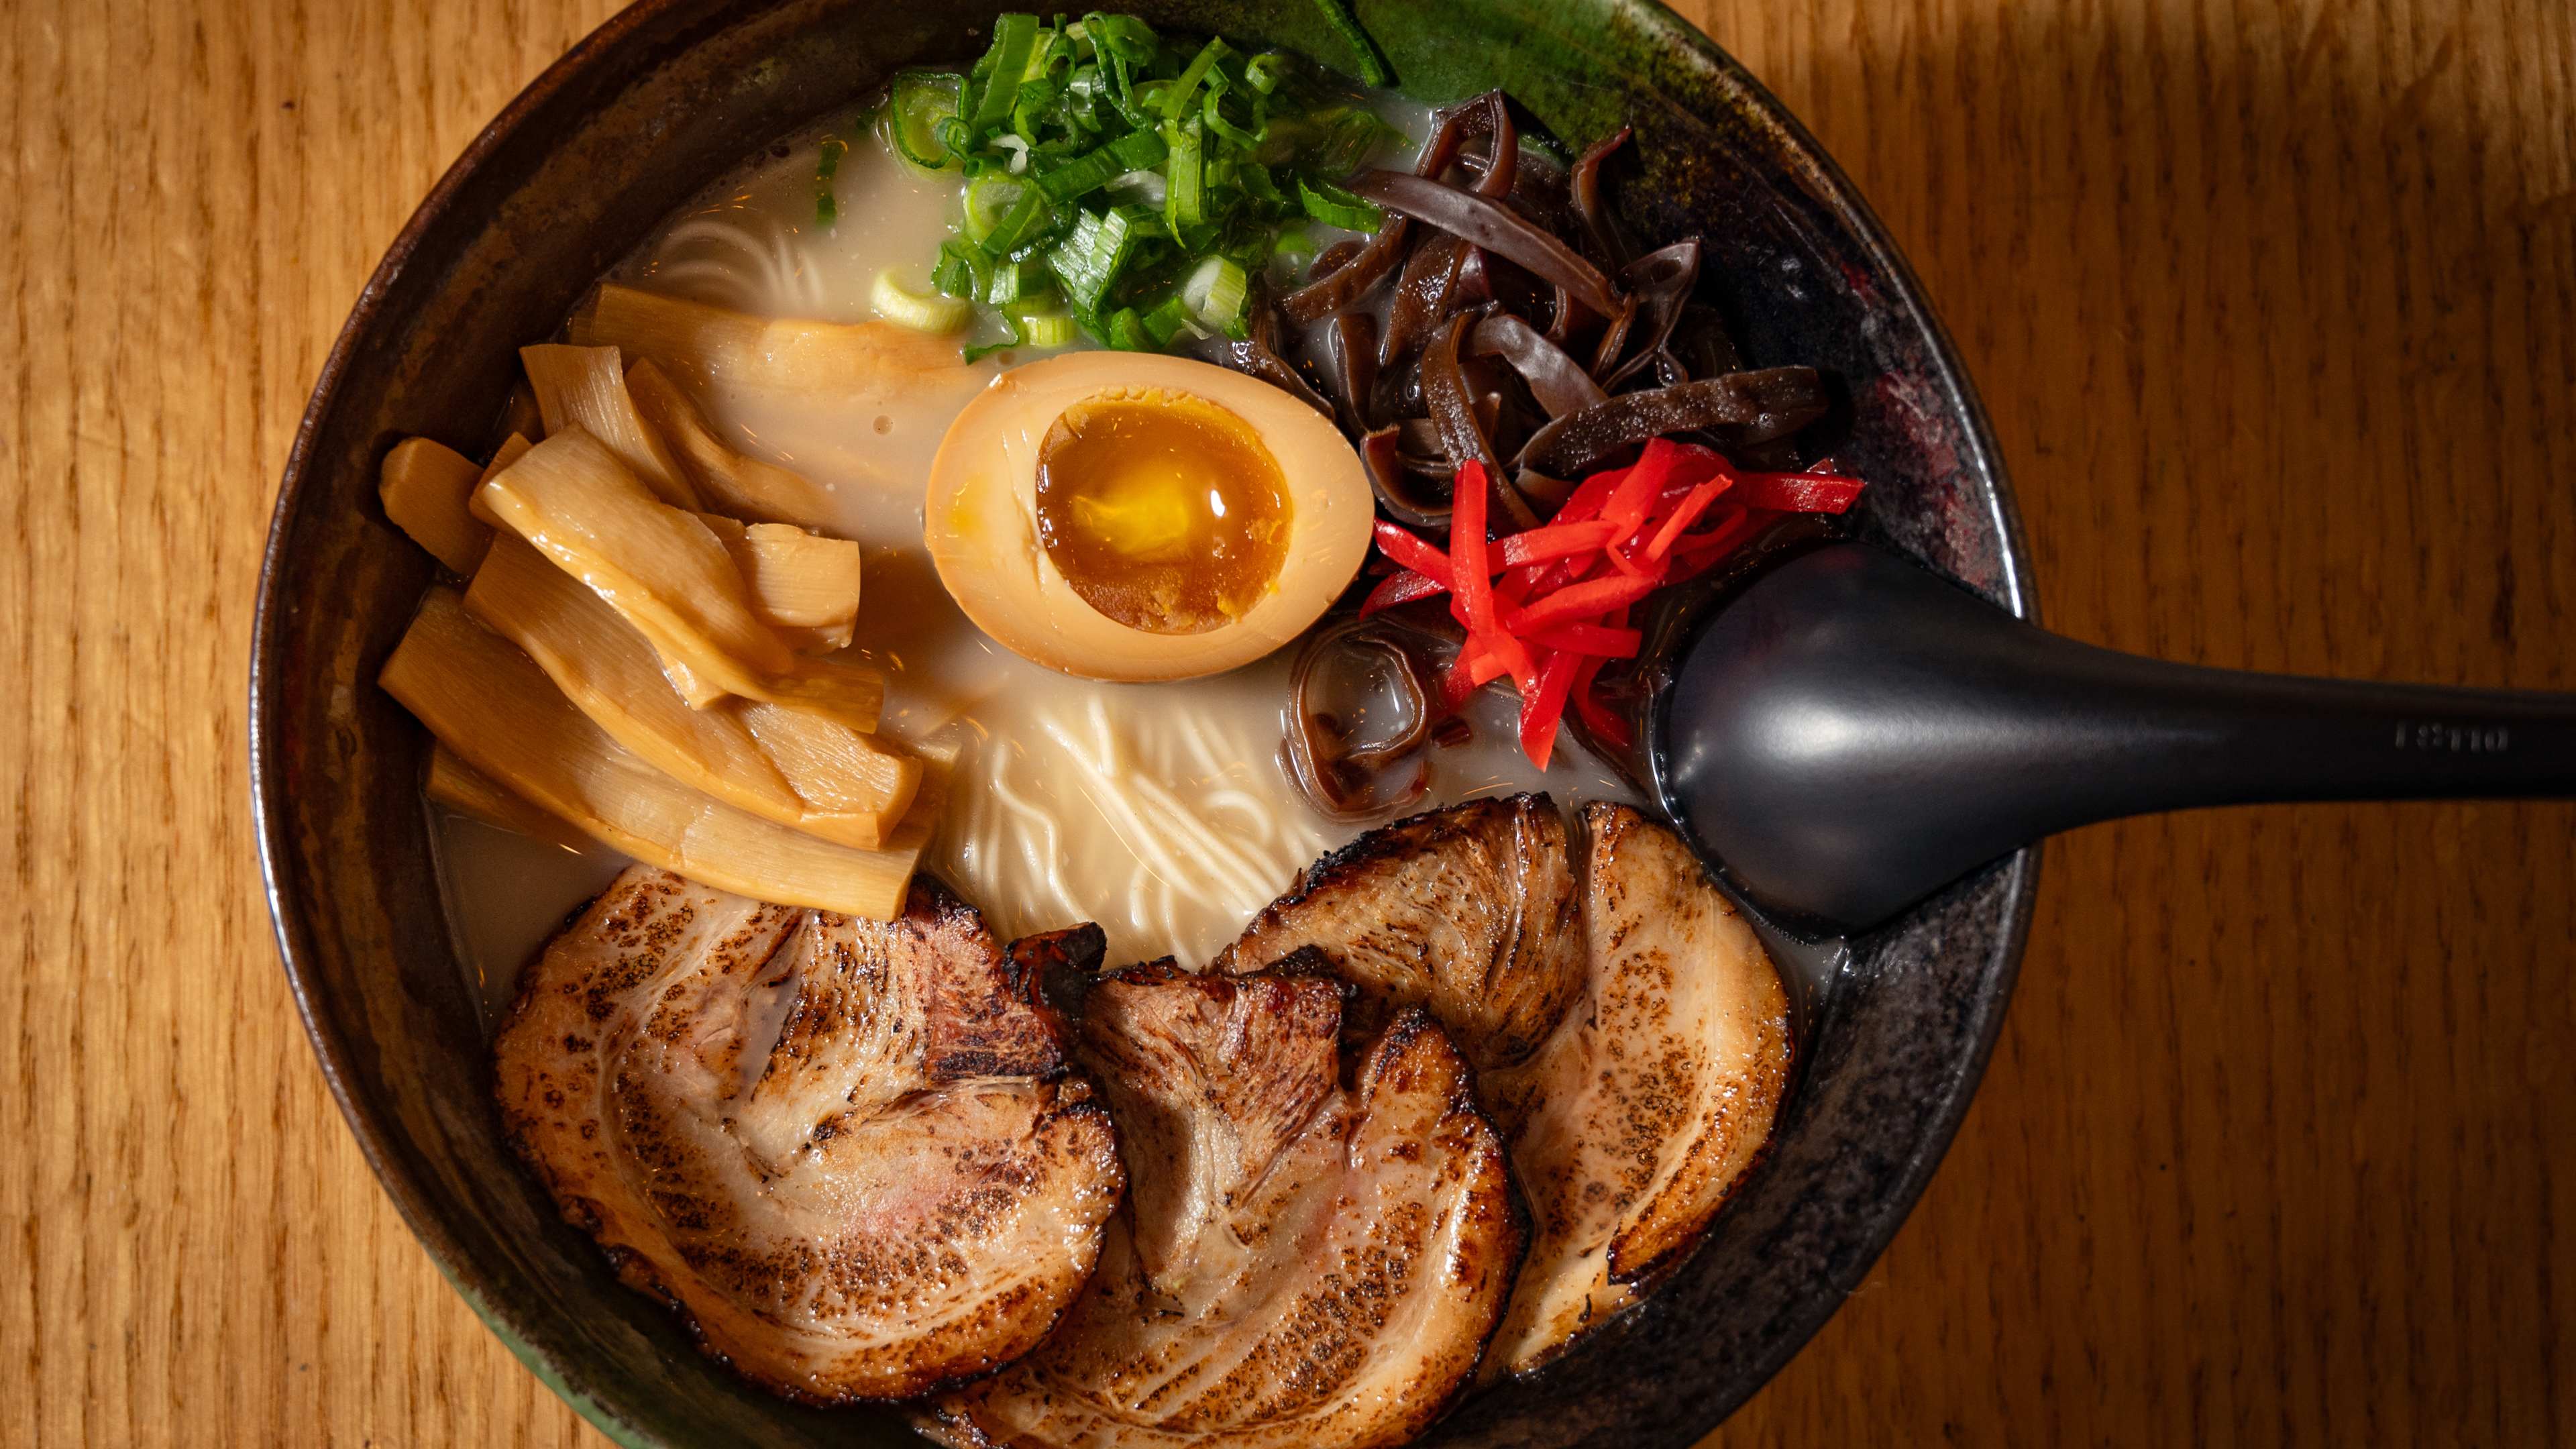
x: 1631, y: 1034
x: 1302, y: 1264
x: 1653, y: 1096
x: 1469, y: 912
x: 846, y: 1151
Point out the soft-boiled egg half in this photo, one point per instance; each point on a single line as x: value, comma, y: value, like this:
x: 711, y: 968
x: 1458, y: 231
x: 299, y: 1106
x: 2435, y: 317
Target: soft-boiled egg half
x: 1131, y: 516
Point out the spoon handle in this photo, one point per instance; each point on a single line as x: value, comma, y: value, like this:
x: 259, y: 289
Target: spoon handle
x: 2115, y: 734
x: 1855, y: 731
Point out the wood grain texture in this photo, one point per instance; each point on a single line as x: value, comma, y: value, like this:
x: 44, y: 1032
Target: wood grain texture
x: 2274, y: 302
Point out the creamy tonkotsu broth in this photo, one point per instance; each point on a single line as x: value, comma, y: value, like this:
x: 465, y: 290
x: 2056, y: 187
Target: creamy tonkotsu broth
x: 1162, y: 811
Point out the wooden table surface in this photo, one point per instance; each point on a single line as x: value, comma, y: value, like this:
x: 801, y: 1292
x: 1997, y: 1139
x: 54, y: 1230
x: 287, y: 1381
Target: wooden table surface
x: 2274, y: 303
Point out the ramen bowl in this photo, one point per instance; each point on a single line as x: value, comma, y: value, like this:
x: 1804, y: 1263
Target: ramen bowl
x: 674, y: 93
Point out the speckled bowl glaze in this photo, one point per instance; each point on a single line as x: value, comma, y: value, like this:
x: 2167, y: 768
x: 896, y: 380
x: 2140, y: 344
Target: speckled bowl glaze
x: 669, y: 95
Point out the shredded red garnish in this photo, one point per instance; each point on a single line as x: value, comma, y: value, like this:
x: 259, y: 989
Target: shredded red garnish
x: 1554, y: 540
x: 1693, y: 504
x: 1549, y: 606
x: 1540, y: 711
x: 1401, y: 587
x: 1412, y: 553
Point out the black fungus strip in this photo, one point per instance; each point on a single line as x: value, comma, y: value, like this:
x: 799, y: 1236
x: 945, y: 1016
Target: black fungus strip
x: 1557, y: 382
x: 1614, y: 337
x: 1337, y: 777
x: 1254, y: 355
x: 1383, y: 452
x: 1741, y: 409
x: 1453, y: 409
x: 1352, y: 280
x: 1489, y: 224
x: 1351, y: 346
x: 1585, y: 188
x: 1333, y: 258
x: 1659, y: 283
x: 1503, y: 149
x: 1422, y: 297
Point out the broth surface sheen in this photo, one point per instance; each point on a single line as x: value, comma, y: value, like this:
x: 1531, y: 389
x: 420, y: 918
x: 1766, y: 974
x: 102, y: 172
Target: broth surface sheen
x: 1162, y: 811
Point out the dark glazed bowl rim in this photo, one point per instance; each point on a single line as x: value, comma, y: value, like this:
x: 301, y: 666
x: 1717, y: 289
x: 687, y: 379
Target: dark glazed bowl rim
x: 1785, y: 141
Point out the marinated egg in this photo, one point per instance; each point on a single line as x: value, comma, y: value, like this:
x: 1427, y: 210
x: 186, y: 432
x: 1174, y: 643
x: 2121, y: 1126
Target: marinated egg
x: 1117, y: 515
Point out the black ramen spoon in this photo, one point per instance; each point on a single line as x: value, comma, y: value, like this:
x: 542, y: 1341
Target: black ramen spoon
x: 1851, y: 732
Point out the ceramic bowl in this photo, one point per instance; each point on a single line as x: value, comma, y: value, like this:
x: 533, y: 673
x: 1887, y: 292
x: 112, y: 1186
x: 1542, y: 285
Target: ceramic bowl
x: 672, y: 93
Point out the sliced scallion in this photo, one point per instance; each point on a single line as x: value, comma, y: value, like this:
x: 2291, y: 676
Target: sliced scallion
x: 1184, y: 175
x: 1127, y: 331
x: 918, y: 102
x: 827, y: 207
x: 996, y: 79
x: 1142, y: 179
x: 1334, y: 206
x: 1175, y: 101
x: 964, y: 269
x: 1214, y: 114
x: 904, y: 307
x: 1047, y: 329
x: 1169, y: 320
x: 1022, y: 280
x: 1216, y: 290
x: 989, y: 198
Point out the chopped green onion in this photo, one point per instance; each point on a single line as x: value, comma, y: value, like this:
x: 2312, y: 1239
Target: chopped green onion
x: 1019, y: 334
x: 1176, y: 100
x: 1131, y: 184
x: 964, y: 269
x: 1349, y: 138
x: 1127, y: 331
x: 918, y: 103
x: 1047, y: 329
x: 1333, y: 206
x: 1036, y: 99
x: 1023, y: 225
x: 1169, y: 320
x: 906, y: 308
x: 1122, y: 36
x: 1184, y: 177
x: 1257, y: 184
x: 1216, y: 291
x: 1135, y: 151
x: 1020, y: 280
x: 827, y: 207
x: 1216, y: 121
x: 1093, y: 256
x: 989, y: 199
x: 1373, y: 67
x: 1001, y: 70
x: 955, y: 141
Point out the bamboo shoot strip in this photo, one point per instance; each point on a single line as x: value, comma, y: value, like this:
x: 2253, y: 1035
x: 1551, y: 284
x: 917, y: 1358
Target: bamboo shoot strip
x: 426, y: 488
x: 585, y: 388
x: 498, y: 711
x: 672, y: 578
x: 796, y: 578
x: 469, y: 792
x: 727, y: 481
x: 609, y: 673
x: 659, y: 566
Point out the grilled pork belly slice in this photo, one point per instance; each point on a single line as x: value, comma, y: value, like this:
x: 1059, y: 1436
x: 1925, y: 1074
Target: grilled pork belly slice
x: 846, y: 1151
x: 1631, y: 1038
x: 1301, y: 1264
x: 1651, y: 1098
x: 1469, y: 912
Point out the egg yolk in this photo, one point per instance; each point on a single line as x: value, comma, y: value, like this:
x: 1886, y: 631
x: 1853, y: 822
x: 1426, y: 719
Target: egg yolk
x: 1163, y: 511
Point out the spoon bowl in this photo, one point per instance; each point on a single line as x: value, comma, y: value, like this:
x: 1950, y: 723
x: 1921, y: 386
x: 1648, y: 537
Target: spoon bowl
x: 1849, y: 732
